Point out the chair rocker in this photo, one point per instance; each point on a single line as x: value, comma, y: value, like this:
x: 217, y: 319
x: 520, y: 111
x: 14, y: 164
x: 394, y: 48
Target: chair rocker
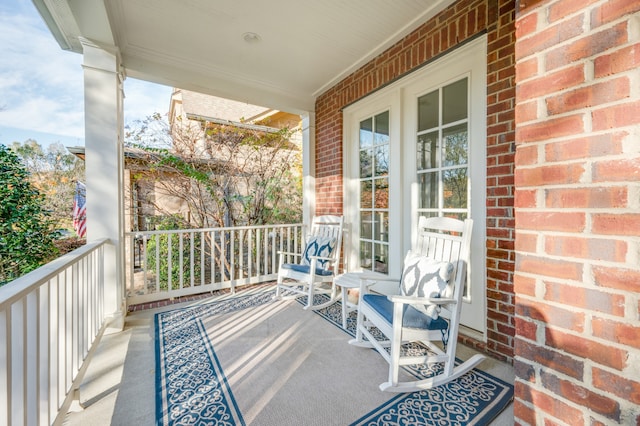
x: 427, y: 310
x: 318, y: 264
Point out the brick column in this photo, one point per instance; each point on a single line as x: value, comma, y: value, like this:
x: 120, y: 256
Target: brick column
x: 577, y: 198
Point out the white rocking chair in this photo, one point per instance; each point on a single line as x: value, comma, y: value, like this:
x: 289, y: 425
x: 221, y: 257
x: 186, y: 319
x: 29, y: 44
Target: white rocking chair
x: 428, y: 309
x: 318, y: 263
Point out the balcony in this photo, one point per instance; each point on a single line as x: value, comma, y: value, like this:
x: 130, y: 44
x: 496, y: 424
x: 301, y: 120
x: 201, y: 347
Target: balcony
x: 62, y: 361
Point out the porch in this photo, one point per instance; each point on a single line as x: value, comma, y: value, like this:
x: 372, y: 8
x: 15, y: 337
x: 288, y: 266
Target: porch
x: 556, y: 150
x: 119, y: 387
x: 62, y: 352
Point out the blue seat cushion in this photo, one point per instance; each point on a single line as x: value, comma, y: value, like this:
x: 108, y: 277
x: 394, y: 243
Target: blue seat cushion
x: 305, y: 269
x: 411, y: 317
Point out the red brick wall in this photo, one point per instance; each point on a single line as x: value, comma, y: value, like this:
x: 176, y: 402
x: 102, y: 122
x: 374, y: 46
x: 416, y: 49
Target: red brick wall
x: 500, y: 170
x: 460, y: 22
x: 577, y: 180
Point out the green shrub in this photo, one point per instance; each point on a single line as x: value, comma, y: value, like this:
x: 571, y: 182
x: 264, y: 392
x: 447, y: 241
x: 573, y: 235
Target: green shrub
x: 158, y: 254
x: 26, y: 237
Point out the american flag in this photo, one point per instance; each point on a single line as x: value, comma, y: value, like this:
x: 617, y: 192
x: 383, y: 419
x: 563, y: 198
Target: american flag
x: 80, y: 210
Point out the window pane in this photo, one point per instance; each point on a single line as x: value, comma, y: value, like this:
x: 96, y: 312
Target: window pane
x: 366, y: 133
x: 427, y: 151
x: 459, y: 216
x: 442, y: 152
x: 382, y: 128
x: 366, y: 194
x: 456, y: 146
x: 454, y: 106
x: 366, y: 225
x: 382, y: 194
x: 381, y: 227
x: 428, y: 184
x: 455, y: 188
x: 366, y: 163
x: 428, y: 111
x: 374, y: 190
x: 381, y: 159
x: 381, y: 258
x: 366, y: 254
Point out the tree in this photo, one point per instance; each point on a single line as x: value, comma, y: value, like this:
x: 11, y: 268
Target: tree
x: 53, y: 172
x: 26, y: 240
x: 225, y: 175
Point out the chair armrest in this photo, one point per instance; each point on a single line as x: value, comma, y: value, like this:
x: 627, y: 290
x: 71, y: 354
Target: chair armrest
x: 328, y: 259
x: 410, y: 300
x: 286, y: 254
x: 289, y: 253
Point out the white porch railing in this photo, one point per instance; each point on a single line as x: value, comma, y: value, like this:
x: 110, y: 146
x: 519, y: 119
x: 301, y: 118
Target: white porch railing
x: 50, y: 319
x: 168, y: 264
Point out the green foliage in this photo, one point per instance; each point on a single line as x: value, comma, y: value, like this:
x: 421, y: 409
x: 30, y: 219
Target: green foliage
x: 53, y: 171
x: 158, y: 248
x: 227, y: 175
x: 26, y: 239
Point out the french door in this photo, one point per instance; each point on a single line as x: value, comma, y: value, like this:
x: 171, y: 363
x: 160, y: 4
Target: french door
x: 418, y: 148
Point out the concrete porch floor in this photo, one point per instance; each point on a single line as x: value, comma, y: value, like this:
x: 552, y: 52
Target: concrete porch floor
x: 119, y: 385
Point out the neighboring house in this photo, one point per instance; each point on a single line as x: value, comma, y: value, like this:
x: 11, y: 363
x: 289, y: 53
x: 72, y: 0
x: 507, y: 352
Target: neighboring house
x: 190, y: 115
x: 543, y: 97
x: 189, y: 108
x: 150, y: 193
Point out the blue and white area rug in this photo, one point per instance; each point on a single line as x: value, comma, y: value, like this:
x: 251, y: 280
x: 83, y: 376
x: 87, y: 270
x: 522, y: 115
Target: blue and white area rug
x: 252, y: 360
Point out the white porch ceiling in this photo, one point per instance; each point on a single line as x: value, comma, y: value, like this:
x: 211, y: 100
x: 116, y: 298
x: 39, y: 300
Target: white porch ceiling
x: 304, y: 48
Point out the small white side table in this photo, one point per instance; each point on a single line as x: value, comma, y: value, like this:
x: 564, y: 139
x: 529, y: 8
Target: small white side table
x: 351, y: 280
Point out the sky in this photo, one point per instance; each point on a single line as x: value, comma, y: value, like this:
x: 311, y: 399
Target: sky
x: 41, y: 85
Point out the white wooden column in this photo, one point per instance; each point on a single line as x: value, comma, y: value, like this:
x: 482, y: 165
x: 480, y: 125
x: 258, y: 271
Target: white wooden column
x: 103, y: 103
x: 308, y: 166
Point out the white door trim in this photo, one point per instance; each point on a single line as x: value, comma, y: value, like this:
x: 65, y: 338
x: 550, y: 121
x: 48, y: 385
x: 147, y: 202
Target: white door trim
x: 400, y: 98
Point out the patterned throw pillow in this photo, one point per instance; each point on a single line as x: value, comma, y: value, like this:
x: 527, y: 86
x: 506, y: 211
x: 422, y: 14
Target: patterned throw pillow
x: 321, y: 247
x: 425, y: 277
